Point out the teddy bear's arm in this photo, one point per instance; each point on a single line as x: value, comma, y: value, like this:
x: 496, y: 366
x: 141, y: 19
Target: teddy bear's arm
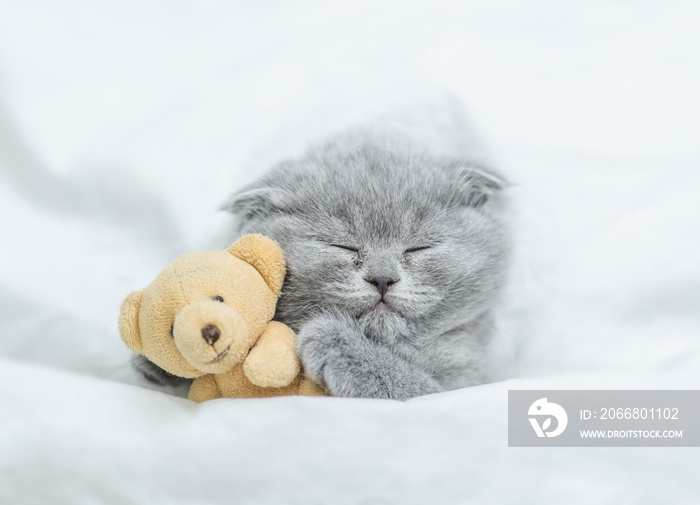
x: 273, y: 361
x: 204, y: 388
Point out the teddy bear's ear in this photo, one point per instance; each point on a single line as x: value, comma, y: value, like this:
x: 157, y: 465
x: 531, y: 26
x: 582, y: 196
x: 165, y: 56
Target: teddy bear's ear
x: 265, y: 255
x: 129, y: 321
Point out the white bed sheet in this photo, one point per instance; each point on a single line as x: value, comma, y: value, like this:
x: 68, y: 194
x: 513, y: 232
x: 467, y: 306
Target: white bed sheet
x: 125, y: 125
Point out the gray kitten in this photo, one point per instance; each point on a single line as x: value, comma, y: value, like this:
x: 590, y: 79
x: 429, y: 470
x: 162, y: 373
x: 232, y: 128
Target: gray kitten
x: 394, y: 256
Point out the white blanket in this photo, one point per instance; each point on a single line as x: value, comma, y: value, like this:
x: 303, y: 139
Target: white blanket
x: 125, y: 125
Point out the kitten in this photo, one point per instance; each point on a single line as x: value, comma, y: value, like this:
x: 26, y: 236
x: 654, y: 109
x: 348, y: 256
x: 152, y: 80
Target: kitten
x: 394, y: 257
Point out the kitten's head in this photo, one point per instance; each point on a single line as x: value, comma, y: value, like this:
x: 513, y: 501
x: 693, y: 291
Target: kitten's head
x: 408, y: 243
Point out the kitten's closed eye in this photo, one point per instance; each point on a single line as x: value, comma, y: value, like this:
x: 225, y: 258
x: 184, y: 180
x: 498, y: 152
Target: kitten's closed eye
x: 357, y: 254
x: 345, y: 247
x: 416, y: 249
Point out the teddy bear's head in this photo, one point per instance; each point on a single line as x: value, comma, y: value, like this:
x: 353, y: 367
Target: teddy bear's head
x: 205, y: 310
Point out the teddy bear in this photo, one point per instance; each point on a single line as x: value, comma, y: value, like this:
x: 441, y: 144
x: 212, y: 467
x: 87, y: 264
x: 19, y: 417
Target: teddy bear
x: 208, y: 316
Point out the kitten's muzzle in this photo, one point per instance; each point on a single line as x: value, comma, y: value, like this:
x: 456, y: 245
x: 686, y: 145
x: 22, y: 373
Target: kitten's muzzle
x: 382, y: 284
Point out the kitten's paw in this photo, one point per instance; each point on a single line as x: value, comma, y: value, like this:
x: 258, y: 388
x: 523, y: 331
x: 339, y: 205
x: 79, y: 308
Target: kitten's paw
x: 321, y: 342
x: 338, y: 356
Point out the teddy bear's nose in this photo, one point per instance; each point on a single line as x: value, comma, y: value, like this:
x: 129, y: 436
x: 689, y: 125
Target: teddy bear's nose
x: 211, y: 333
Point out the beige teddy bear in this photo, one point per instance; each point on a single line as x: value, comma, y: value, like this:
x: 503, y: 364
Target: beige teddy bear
x: 208, y: 316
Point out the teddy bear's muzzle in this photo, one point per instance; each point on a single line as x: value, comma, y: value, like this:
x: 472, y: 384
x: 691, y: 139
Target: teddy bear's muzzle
x: 211, y: 336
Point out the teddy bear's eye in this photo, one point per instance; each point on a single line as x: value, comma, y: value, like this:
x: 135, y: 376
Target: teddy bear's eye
x: 171, y: 330
x: 217, y: 298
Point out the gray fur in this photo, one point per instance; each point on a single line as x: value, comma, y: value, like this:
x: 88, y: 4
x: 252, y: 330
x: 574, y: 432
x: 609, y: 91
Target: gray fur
x: 383, y: 196
x: 155, y: 374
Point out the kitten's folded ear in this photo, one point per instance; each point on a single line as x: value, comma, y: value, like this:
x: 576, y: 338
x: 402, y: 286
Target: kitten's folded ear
x: 477, y: 184
x: 256, y: 201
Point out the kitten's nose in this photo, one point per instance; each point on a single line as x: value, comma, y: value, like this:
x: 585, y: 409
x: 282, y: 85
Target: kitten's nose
x: 382, y: 284
x: 211, y: 333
